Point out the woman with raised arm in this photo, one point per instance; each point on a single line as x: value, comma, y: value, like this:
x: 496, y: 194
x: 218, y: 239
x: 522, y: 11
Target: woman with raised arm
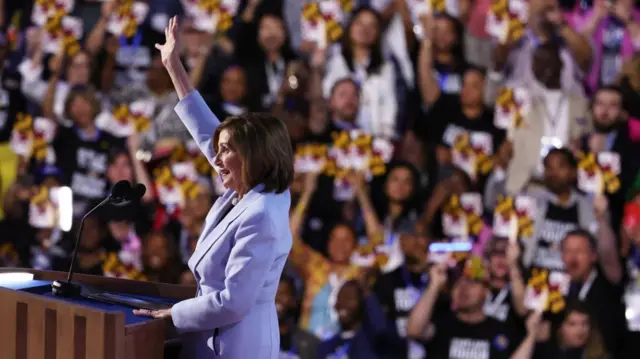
x: 246, y: 238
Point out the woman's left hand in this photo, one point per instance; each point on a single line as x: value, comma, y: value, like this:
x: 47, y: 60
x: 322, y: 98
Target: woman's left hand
x: 157, y: 314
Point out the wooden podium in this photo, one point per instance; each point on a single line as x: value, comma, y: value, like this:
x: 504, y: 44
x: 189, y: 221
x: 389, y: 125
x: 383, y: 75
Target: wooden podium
x: 40, y: 326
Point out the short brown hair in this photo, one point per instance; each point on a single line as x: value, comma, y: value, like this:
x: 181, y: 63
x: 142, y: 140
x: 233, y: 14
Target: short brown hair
x: 264, y: 145
x: 86, y: 93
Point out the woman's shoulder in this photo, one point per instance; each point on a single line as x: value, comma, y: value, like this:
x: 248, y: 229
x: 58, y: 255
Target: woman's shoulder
x: 269, y: 204
x: 273, y: 200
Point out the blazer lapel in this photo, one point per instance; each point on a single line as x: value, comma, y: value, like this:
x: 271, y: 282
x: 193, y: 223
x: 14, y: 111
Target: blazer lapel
x: 213, y: 217
x: 217, y: 227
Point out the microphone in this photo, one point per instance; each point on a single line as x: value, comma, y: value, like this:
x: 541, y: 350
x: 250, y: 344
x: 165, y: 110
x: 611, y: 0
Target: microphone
x: 120, y: 195
x: 138, y: 191
x: 129, y: 195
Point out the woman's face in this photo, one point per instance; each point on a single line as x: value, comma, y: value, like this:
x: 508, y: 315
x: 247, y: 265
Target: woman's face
x: 229, y: 163
x: 81, y: 112
x: 341, y: 244
x: 364, y: 29
x: 271, y: 34
x: 78, y: 70
x: 445, y: 34
x: 120, y: 169
x: 233, y: 86
x: 575, y: 330
x: 399, y: 184
x: 156, y: 252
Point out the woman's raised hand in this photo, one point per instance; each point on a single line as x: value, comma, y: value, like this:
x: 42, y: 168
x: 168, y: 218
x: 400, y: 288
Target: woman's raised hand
x: 170, y: 50
x: 170, y: 54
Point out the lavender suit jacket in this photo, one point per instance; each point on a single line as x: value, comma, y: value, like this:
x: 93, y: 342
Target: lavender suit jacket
x: 237, y: 264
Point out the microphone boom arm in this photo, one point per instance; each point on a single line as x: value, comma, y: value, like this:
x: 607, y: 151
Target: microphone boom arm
x: 75, y: 247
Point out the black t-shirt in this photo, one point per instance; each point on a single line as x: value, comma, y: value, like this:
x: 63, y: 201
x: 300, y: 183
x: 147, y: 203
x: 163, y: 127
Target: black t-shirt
x: 445, y: 118
x: 454, y: 339
x: 445, y: 121
x: 498, y: 306
x: 83, y: 162
x: 398, y: 291
x: 557, y: 222
x: 449, y: 78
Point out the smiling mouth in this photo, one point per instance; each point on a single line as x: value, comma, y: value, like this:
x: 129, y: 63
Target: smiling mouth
x: 224, y: 172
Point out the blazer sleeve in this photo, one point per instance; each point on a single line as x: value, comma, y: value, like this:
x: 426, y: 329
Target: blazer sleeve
x: 200, y: 122
x: 251, y: 257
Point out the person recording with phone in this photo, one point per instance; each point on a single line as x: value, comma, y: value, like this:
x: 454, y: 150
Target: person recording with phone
x: 246, y: 239
x: 464, y: 330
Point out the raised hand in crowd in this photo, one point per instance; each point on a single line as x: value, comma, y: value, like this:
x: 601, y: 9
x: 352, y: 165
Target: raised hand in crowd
x: 357, y: 181
x: 601, y: 207
x: 57, y: 64
x: 419, y: 320
x: 297, y: 216
x: 108, y: 8
x: 438, y: 276
x: 526, y: 347
x: 34, y: 44
x: 516, y: 281
x: 250, y: 10
x: 318, y: 58
x: 310, y: 182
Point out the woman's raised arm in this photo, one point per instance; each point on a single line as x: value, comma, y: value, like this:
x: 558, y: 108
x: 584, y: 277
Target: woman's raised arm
x: 192, y: 110
x: 170, y: 53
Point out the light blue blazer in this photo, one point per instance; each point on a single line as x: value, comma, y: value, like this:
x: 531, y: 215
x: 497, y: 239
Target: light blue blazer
x: 237, y: 264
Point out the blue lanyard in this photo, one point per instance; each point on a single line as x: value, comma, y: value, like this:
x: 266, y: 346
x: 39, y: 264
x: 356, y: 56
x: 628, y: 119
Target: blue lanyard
x: 137, y: 40
x: 389, y: 235
x: 341, y: 352
x: 611, y: 139
x: 442, y: 79
x: 424, y: 280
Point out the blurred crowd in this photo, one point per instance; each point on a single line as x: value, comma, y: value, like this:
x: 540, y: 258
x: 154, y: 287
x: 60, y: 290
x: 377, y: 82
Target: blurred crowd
x: 379, y: 272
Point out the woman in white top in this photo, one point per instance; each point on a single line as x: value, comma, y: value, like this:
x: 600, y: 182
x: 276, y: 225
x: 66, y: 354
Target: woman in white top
x: 360, y: 57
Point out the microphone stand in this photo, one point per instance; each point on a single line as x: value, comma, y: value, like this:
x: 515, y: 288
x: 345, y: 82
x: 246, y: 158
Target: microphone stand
x: 65, y: 288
